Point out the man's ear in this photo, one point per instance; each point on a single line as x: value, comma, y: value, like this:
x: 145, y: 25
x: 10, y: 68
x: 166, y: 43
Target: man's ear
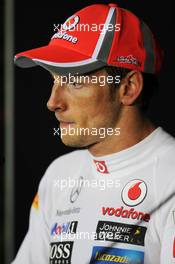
x: 131, y: 87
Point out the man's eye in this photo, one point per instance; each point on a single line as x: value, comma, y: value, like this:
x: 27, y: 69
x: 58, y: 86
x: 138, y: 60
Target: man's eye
x: 76, y: 85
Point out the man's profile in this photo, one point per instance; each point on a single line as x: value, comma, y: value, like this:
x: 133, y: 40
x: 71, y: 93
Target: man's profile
x: 112, y: 200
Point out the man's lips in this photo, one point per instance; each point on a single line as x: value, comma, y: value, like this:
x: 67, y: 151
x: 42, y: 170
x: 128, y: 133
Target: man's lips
x: 62, y: 120
x: 66, y: 124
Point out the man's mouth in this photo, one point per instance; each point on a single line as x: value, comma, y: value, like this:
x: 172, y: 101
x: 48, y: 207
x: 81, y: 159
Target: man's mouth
x: 66, y: 124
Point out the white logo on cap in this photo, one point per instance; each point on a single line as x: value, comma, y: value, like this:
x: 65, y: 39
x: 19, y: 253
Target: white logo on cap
x: 134, y: 192
x: 71, y: 22
x: 130, y: 59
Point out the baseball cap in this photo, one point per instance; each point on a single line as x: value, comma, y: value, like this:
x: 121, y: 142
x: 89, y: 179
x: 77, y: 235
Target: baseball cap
x: 96, y: 36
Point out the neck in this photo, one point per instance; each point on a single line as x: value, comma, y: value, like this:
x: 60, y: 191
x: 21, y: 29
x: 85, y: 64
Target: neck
x: 134, y: 127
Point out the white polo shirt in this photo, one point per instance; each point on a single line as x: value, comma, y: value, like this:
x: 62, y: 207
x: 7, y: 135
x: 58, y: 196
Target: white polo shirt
x: 118, y: 208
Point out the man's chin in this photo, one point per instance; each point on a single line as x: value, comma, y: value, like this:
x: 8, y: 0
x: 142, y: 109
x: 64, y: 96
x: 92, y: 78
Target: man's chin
x: 75, y: 142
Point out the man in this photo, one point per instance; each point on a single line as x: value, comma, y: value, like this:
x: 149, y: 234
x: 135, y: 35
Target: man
x: 112, y: 201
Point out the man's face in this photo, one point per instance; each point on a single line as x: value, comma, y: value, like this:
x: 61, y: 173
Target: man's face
x: 85, y: 108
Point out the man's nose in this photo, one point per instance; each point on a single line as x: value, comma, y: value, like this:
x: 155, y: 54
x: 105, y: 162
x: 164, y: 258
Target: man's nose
x: 56, y: 100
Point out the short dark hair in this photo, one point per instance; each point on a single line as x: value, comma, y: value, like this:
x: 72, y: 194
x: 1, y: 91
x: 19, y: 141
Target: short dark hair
x: 150, y: 85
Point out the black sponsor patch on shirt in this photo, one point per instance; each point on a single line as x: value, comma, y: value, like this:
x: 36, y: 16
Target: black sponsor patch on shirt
x: 121, y: 233
x: 61, y: 252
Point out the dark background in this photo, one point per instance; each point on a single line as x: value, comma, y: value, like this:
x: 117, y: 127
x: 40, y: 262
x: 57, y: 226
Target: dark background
x: 35, y: 145
x: 1, y: 133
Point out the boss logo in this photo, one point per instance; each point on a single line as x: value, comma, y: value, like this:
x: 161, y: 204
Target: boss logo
x: 61, y: 252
